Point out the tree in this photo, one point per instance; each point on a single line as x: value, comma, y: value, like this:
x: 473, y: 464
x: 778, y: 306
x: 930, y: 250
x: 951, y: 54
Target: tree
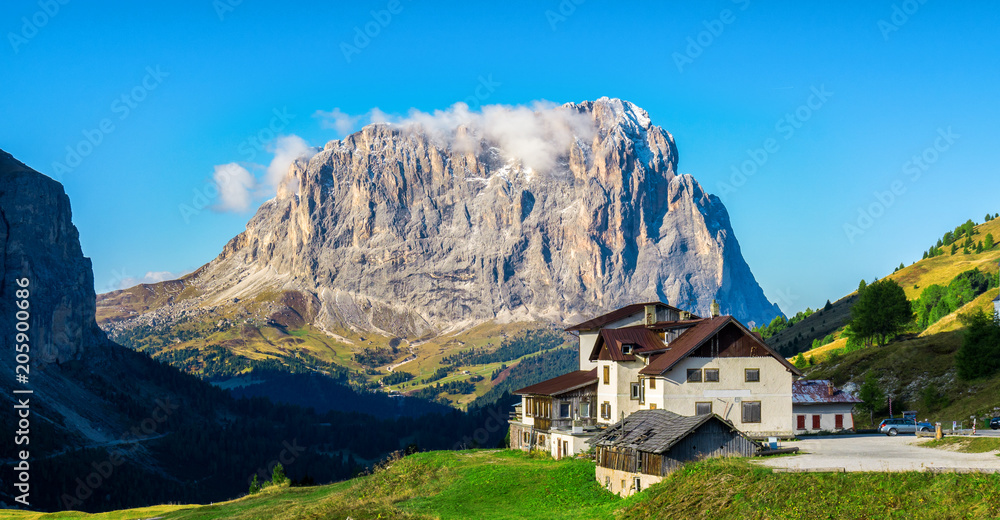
x: 254, y: 486
x: 800, y: 361
x: 278, y: 477
x: 988, y: 242
x: 828, y: 306
x: 979, y: 355
x: 871, y: 396
x: 861, y: 286
x: 881, y: 312
x: 954, y: 248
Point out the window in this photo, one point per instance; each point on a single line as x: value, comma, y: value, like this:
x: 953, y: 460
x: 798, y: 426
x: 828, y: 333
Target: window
x: 816, y: 425
x: 752, y: 375
x: 584, y: 409
x: 800, y: 422
x: 751, y: 411
x: 636, y: 394
x: 607, y: 482
x: 702, y: 408
x: 638, y: 484
x: 526, y: 437
x: 564, y: 409
x: 607, y: 375
x: 541, y: 439
x: 711, y: 375
x: 606, y: 410
x: 694, y: 375
x: 627, y: 348
x: 652, y: 383
x: 527, y: 407
x: 838, y: 421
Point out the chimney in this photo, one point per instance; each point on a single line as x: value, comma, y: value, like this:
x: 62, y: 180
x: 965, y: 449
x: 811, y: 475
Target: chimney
x: 829, y: 388
x: 650, y: 315
x: 715, y: 309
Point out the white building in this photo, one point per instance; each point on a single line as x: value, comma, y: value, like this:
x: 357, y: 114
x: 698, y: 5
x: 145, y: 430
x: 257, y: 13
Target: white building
x: 652, y: 356
x: 818, y: 406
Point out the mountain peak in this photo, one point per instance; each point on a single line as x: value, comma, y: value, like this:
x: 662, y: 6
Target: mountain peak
x: 446, y: 220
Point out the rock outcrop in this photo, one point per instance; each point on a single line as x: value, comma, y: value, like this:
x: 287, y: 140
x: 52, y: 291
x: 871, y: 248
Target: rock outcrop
x: 39, y: 242
x: 418, y: 227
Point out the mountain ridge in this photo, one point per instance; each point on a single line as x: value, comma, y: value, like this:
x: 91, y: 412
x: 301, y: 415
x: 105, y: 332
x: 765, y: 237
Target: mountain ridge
x: 424, y: 226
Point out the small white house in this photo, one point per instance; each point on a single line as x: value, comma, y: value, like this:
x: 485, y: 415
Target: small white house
x: 819, y: 406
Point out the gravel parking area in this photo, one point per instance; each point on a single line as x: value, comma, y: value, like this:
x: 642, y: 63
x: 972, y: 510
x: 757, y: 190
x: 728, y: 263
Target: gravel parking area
x: 877, y: 453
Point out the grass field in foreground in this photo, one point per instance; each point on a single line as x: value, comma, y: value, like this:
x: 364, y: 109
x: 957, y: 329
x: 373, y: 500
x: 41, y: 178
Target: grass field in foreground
x: 491, y: 484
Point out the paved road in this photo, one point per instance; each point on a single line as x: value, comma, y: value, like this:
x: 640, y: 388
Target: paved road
x: 878, y: 453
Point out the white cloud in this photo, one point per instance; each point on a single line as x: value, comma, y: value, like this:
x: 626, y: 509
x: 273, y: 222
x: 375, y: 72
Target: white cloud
x: 239, y: 188
x: 286, y: 150
x: 537, y: 134
x: 340, y: 121
x: 236, y: 185
x: 121, y: 280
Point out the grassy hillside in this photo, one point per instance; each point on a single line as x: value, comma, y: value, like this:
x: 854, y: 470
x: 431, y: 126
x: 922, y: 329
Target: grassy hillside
x: 511, y: 485
x: 917, y: 370
x: 914, y: 278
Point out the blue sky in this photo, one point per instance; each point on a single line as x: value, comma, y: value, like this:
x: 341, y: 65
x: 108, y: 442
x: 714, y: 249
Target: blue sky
x: 733, y: 81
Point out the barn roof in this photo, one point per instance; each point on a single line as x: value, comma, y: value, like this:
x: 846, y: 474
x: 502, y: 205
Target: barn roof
x: 561, y: 384
x: 654, y: 431
x: 617, y: 314
x: 695, y: 337
x: 643, y: 339
x: 820, y: 391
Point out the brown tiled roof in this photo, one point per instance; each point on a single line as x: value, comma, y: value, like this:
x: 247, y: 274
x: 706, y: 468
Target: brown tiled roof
x: 644, y: 340
x: 694, y: 337
x: 615, y: 315
x: 819, y: 392
x: 561, y: 384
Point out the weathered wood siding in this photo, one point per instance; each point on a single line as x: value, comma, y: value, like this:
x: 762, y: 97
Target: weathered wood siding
x: 711, y: 439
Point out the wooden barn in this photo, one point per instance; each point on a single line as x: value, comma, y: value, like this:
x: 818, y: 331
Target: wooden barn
x: 640, y: 450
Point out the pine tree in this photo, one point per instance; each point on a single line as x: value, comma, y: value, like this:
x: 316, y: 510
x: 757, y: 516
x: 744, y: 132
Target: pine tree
x: 954, y: 248
x: 254, y: 486
x: 979, y: 247
x: 800, y: 361
x: 278, y: 477
x: 988, y: 242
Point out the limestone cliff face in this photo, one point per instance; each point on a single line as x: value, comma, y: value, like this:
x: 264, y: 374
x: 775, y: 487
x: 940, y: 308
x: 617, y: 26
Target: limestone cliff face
x: 38, y: 241
x: 405, y: 229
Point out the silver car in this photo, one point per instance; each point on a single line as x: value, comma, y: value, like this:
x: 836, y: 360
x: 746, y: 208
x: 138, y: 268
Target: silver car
x: 893, y: 427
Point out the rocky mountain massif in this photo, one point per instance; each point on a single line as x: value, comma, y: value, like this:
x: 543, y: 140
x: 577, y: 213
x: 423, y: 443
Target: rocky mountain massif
x: 438, y: 224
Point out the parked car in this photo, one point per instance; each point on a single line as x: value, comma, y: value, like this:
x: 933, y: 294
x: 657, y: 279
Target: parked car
x: 995, y: 423
x: 892, y: 427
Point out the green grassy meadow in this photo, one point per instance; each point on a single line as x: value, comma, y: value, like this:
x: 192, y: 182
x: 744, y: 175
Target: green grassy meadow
x: 500, y: 484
